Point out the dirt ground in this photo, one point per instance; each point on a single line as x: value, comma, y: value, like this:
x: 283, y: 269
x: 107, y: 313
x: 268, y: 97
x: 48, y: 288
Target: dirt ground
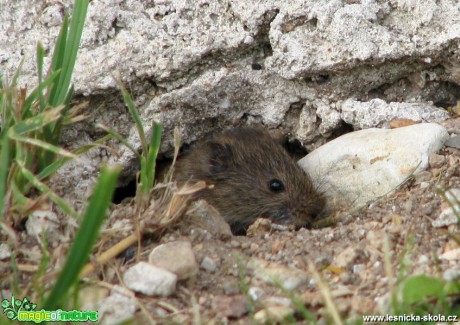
x: 349, y: 255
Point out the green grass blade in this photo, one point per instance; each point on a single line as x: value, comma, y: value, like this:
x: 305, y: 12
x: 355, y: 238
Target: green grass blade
x: 44, y: 145
x: 16, y: 75
x: 4, y: 169
x: 71, y: 49
x: 59, y: 48
x: 132, y: 110
x: 86, y: 236
x: 119, y: 138
x: 58, y: 58
x: 36, y: 122
x: 40, y: 58
x: 34, y: 94
x: 58, y: 125
x: 53, y: 167
x: 45, y: 190
x: 154, y: 148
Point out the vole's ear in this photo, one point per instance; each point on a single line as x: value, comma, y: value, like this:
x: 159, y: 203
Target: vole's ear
x: 220, y: 156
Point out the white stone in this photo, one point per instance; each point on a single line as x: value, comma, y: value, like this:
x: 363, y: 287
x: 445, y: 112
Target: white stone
x: 209, y: 264
x: 269, y: 272
x: 361, y: 166
x: 451, y: 255
x: 150, y: 280
x: 256, y: 293
x: 42, y: 221
x: 5, y: 251
x: 120, y: 306
x: 176, y: 257
x: 273, y: 314
x: 451, y: 275
x: 450, y: 215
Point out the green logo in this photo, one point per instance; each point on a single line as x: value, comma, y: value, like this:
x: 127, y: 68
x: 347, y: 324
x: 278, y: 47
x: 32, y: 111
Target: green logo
x: 24, y: 311
x: 13, y: 307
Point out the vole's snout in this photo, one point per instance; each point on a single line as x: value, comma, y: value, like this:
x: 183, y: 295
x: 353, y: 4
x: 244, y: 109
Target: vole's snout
x: 310, y: 212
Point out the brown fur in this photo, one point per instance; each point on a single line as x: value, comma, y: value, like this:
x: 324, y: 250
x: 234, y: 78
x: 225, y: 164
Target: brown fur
x: 241, y: 163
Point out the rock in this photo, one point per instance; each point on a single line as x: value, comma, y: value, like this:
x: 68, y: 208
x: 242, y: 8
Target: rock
x: 286, y: 64
x: 209, y: 264
x: 454, y: 142
x: 273, y: 314
x: 436, y: 161
x: 451, y: 212
x: 150, y: 280
x: 451, y: 275
x: 119, y: 307
x: 451, y: 255
x: 361, y: 166
x: 346, y: 257
x: 277, y: 301
x: 277, y: 274
x: 176, y: 257
x: 42, y: 221
x: 91, y: 297
x: 423, y: 176
x: 452, y: 125
x: 447, y: 217
x: 378, y: 113
x: 206, y: 217
x: 231, y: 306
x: 256, y: 293
x: 5, y: 251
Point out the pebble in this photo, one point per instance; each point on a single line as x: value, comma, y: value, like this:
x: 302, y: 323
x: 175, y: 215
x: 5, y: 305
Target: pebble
x: 451, y: 275
x: 273, y: 314
x: 42, y: 221
x: 436, y: 161
x: 176, y: 257
x: 231, y: 306
x: 208, y: 218
x: 423, y: 176
x: 454, y: 142
x: 277, y: 274
x: 277, y: 301
x: 5, y: 251
x: 422, y: 259
x: 150, y: 280
x: 119, y: 307
x: 361, y: 166
x: 452, y: 125
x: 231, y: 288
x: 449, y: 215
x: 90, y: 297
x: 209, y: 264
x: 451, y: 255
x: 424, y: 185
x: 345, y: 257
x: 256, y: 293
x: 235, y: 244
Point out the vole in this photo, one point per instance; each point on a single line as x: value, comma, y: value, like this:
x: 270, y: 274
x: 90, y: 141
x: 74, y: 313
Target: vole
x: 252, y: 176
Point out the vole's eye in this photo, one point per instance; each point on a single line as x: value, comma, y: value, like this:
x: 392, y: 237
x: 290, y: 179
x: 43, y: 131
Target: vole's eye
x: 276, y: 185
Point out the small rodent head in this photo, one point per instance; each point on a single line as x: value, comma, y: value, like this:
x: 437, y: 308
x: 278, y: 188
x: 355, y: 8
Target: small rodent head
x: 253, y: 177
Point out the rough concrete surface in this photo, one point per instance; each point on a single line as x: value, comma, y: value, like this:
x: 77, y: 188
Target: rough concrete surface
x: 206, y: 65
